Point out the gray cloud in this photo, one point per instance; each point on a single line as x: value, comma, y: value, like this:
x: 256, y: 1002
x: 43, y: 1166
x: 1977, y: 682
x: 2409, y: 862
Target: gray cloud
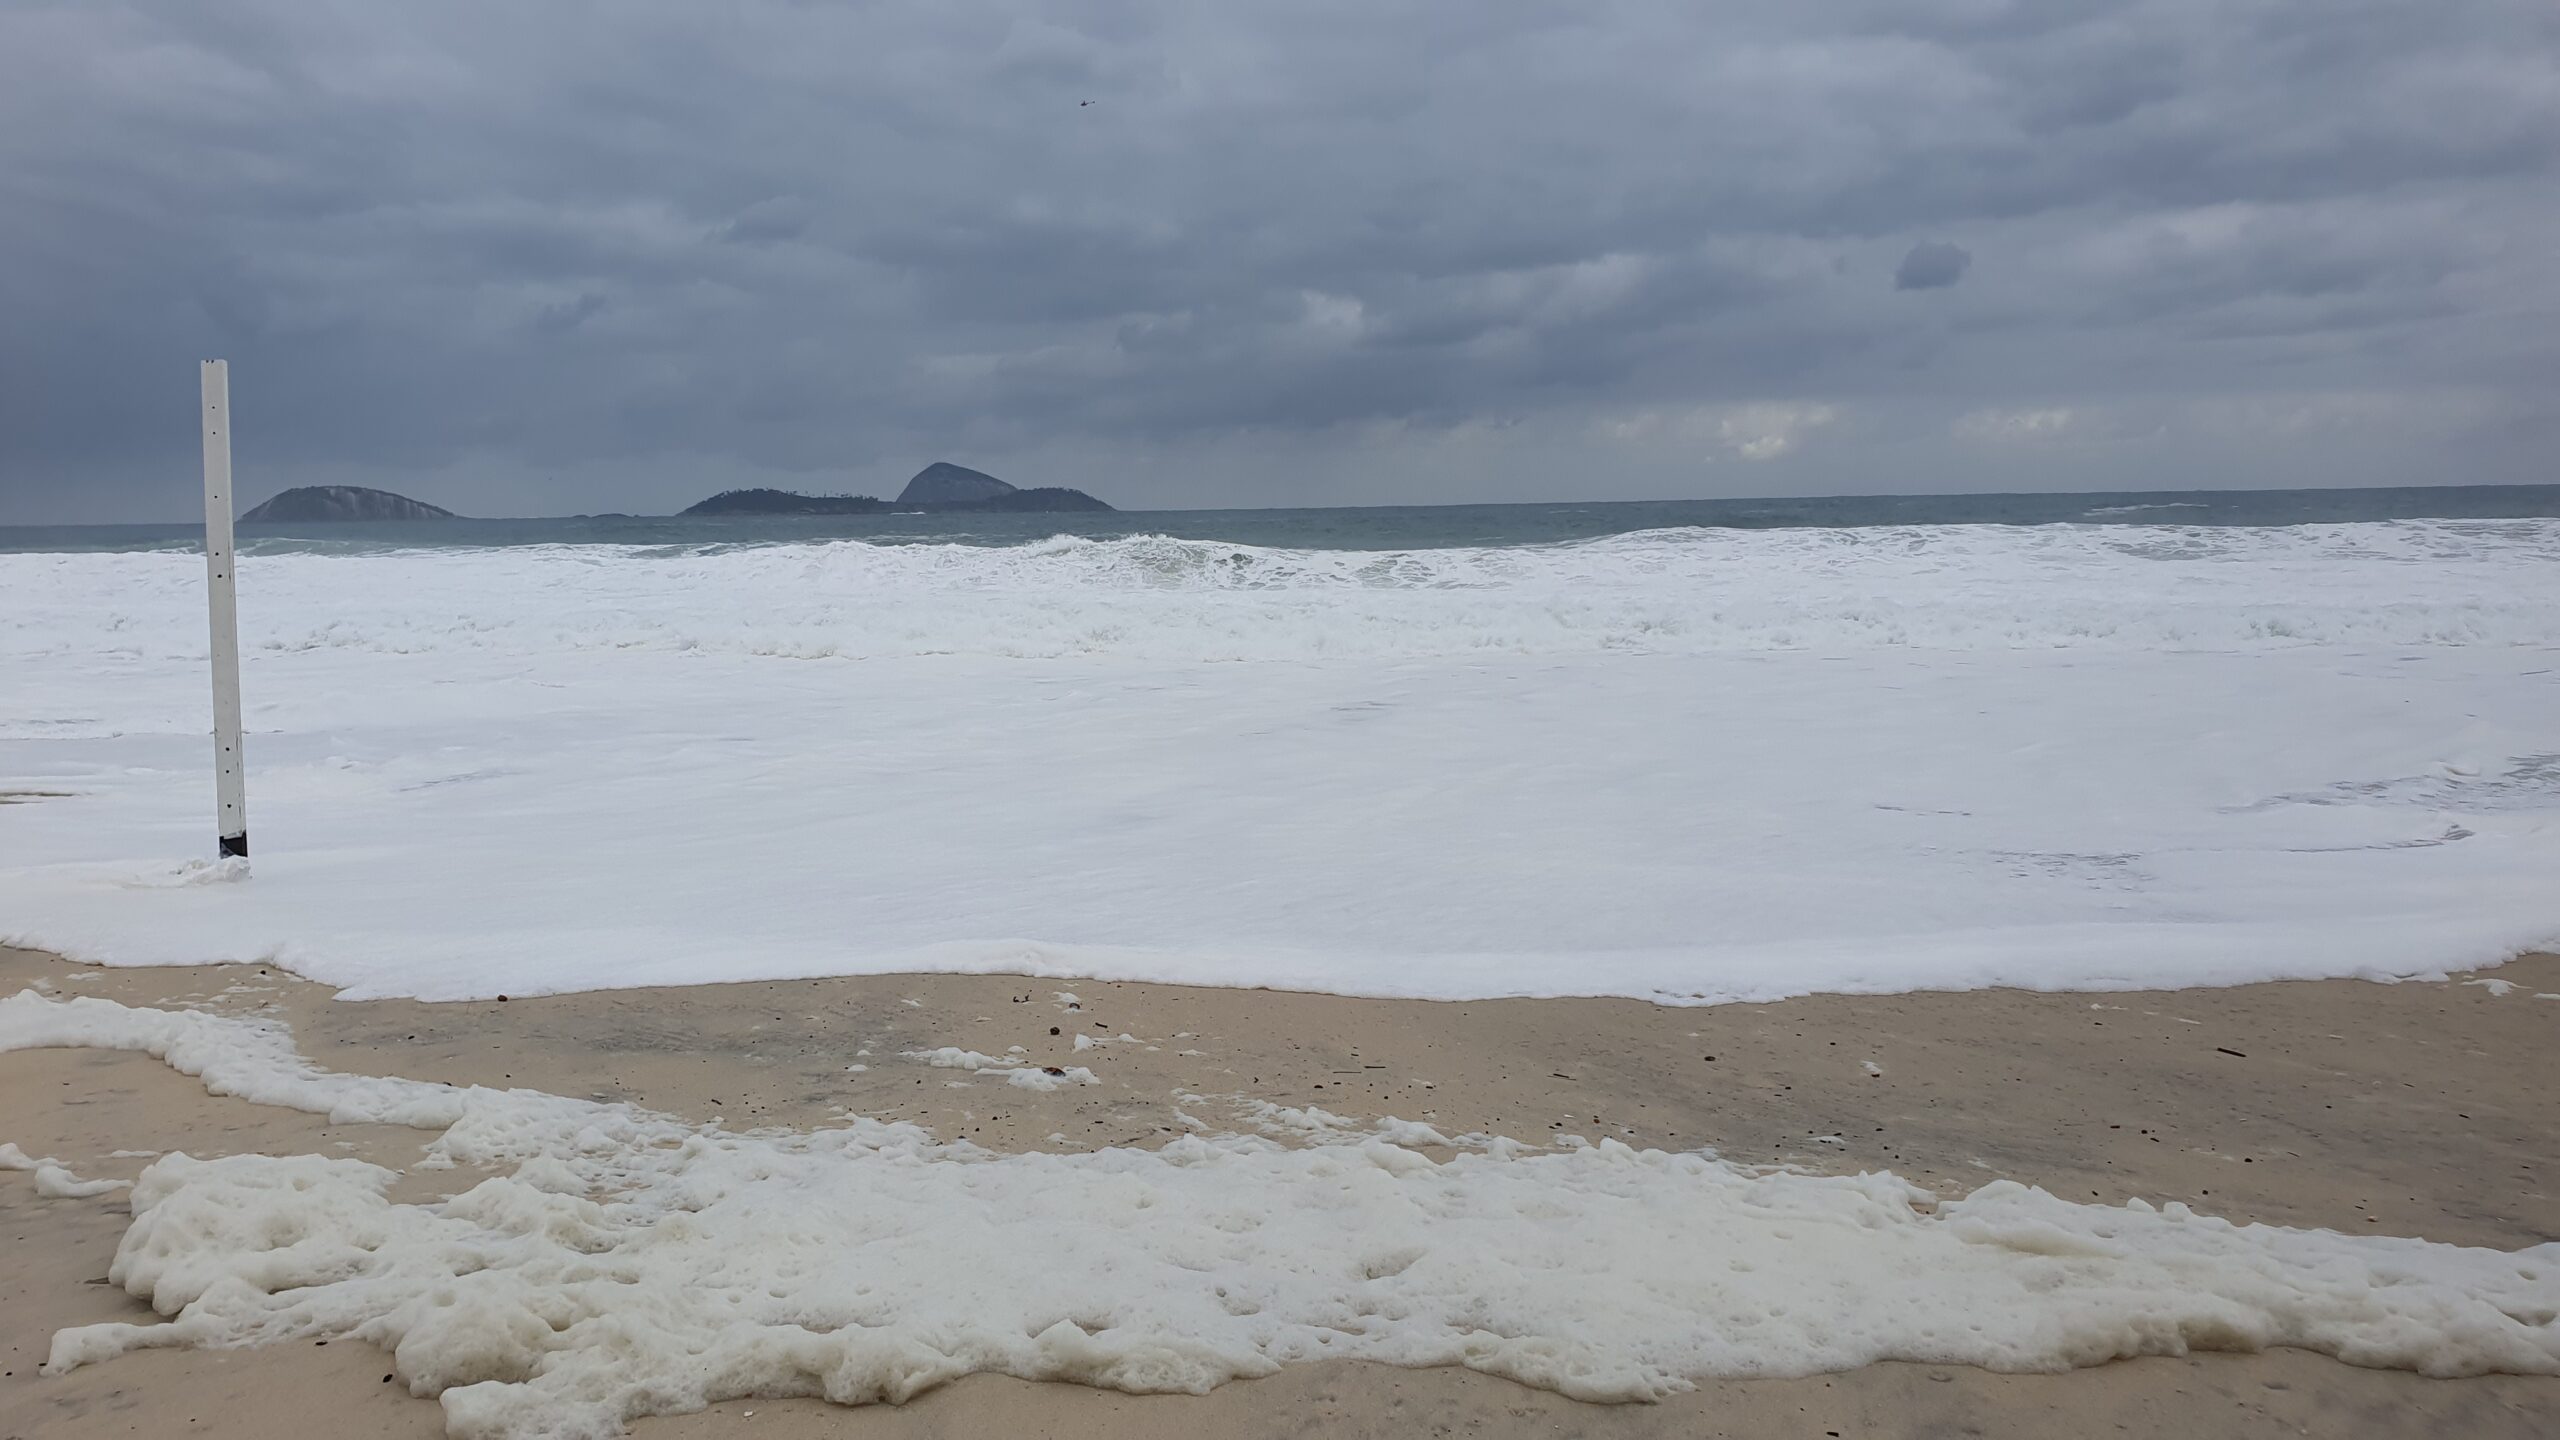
x: 535, y: 259
x: 1931, y: 265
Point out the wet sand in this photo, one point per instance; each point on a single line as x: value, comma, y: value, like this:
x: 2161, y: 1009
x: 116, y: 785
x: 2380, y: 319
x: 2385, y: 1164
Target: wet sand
x: 2417, y: 1109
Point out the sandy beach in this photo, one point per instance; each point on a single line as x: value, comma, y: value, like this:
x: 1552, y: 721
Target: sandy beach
x: 2417, y: 1109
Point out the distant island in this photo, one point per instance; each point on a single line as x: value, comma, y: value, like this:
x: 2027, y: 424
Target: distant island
x: 939, y: 488
x: 943, y: 483
x: 305, y: 503
x: 785, y: 502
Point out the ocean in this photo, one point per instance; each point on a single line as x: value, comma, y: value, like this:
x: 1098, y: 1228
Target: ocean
x: 1386, y: 527
x: 1557, y: 750
x: 1684, y: 754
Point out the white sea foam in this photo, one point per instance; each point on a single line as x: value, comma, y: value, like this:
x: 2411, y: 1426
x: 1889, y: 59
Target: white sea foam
x: 1159, y: 598
x: 53, y: 1179
x: 1050, y: 1077
x: 1015, y: 1070
x: 58, y: 1183
x: 1683, y: 765
x: 952, y: 1057
x: 631, y: 1264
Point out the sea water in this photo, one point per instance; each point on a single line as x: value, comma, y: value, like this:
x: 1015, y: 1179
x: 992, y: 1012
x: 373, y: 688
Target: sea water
x: 1647, y: 756
x: 1686, y: 762
x: 1383, y: 527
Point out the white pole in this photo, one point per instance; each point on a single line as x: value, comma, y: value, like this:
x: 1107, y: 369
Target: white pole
x: 230, y: 800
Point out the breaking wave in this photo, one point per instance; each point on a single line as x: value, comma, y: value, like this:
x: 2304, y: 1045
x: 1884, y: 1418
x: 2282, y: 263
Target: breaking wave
x: 1156, y: 597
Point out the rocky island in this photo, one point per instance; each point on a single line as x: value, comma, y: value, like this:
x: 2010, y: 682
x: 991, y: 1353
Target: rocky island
x: 940, y: 488
x: 306, y: 503
x: 785, y: 502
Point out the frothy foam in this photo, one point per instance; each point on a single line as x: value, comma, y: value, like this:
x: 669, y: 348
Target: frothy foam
x: 1154, y: 597
x: 1690, y: 765
x: 631, y: 1264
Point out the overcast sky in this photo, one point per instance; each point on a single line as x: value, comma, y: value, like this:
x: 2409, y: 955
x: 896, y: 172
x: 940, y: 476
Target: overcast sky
x: 532, y: 258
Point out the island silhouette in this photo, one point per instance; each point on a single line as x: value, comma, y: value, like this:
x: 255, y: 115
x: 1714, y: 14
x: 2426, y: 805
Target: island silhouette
x: 939, y: 488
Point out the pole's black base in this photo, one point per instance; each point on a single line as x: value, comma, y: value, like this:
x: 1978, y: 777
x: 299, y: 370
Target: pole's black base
x: 236, y: 845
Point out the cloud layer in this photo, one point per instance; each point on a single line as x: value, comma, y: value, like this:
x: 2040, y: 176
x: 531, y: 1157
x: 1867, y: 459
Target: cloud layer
x: 525, y: 259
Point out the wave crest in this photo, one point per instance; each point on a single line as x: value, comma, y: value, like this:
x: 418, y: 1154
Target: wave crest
x: 2402, y: 583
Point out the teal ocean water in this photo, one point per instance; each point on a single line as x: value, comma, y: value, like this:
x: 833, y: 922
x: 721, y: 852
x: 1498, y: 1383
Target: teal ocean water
x: 1391, y: 527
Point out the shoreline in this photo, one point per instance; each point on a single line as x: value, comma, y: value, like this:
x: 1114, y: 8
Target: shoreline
x: 2410, y: 1109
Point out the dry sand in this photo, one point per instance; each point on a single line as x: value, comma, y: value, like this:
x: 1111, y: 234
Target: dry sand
x: 2419, y: 1109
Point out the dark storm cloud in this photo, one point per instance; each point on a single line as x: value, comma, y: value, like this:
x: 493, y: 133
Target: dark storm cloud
x: 486, y: 244
x: 1931, y: 265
